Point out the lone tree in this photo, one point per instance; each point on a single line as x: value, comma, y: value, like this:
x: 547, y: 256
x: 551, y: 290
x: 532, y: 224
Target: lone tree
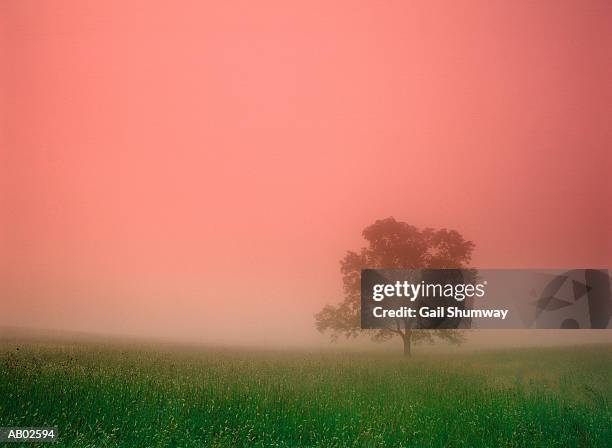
x: 394, y: 245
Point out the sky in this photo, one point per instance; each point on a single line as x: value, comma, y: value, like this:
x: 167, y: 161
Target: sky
x: 197, y: 170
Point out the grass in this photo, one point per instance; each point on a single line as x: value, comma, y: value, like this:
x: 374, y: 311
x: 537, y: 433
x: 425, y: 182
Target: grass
x: 111, y: 396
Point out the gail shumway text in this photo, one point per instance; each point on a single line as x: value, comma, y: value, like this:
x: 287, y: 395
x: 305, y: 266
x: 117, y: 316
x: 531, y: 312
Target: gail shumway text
x: 439, y: 312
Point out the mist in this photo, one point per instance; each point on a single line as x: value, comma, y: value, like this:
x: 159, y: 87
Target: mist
x: 197, y: 173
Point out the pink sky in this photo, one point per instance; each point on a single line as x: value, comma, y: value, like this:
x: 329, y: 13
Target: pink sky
x: 167, y: 164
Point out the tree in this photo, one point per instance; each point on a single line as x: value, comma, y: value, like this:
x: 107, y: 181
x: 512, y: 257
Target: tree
x: 394, y: 245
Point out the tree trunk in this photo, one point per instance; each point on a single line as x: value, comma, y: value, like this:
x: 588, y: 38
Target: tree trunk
x: 407, y: 340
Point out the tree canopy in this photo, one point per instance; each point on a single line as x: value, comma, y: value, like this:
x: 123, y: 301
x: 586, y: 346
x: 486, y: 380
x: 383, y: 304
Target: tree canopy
x: 393, y: 244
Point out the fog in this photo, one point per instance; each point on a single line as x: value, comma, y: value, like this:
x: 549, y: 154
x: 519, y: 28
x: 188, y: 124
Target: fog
x: 196, y: 172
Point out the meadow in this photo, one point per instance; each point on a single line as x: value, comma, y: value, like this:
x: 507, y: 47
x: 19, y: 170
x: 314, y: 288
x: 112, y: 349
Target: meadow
x: 105, y: 395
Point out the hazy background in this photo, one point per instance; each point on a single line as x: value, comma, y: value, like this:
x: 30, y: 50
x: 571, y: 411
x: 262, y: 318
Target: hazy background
x: 196, y: 170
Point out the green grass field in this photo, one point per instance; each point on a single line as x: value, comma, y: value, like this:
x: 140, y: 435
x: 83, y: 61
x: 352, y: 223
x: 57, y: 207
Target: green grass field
x: 104, y: 395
